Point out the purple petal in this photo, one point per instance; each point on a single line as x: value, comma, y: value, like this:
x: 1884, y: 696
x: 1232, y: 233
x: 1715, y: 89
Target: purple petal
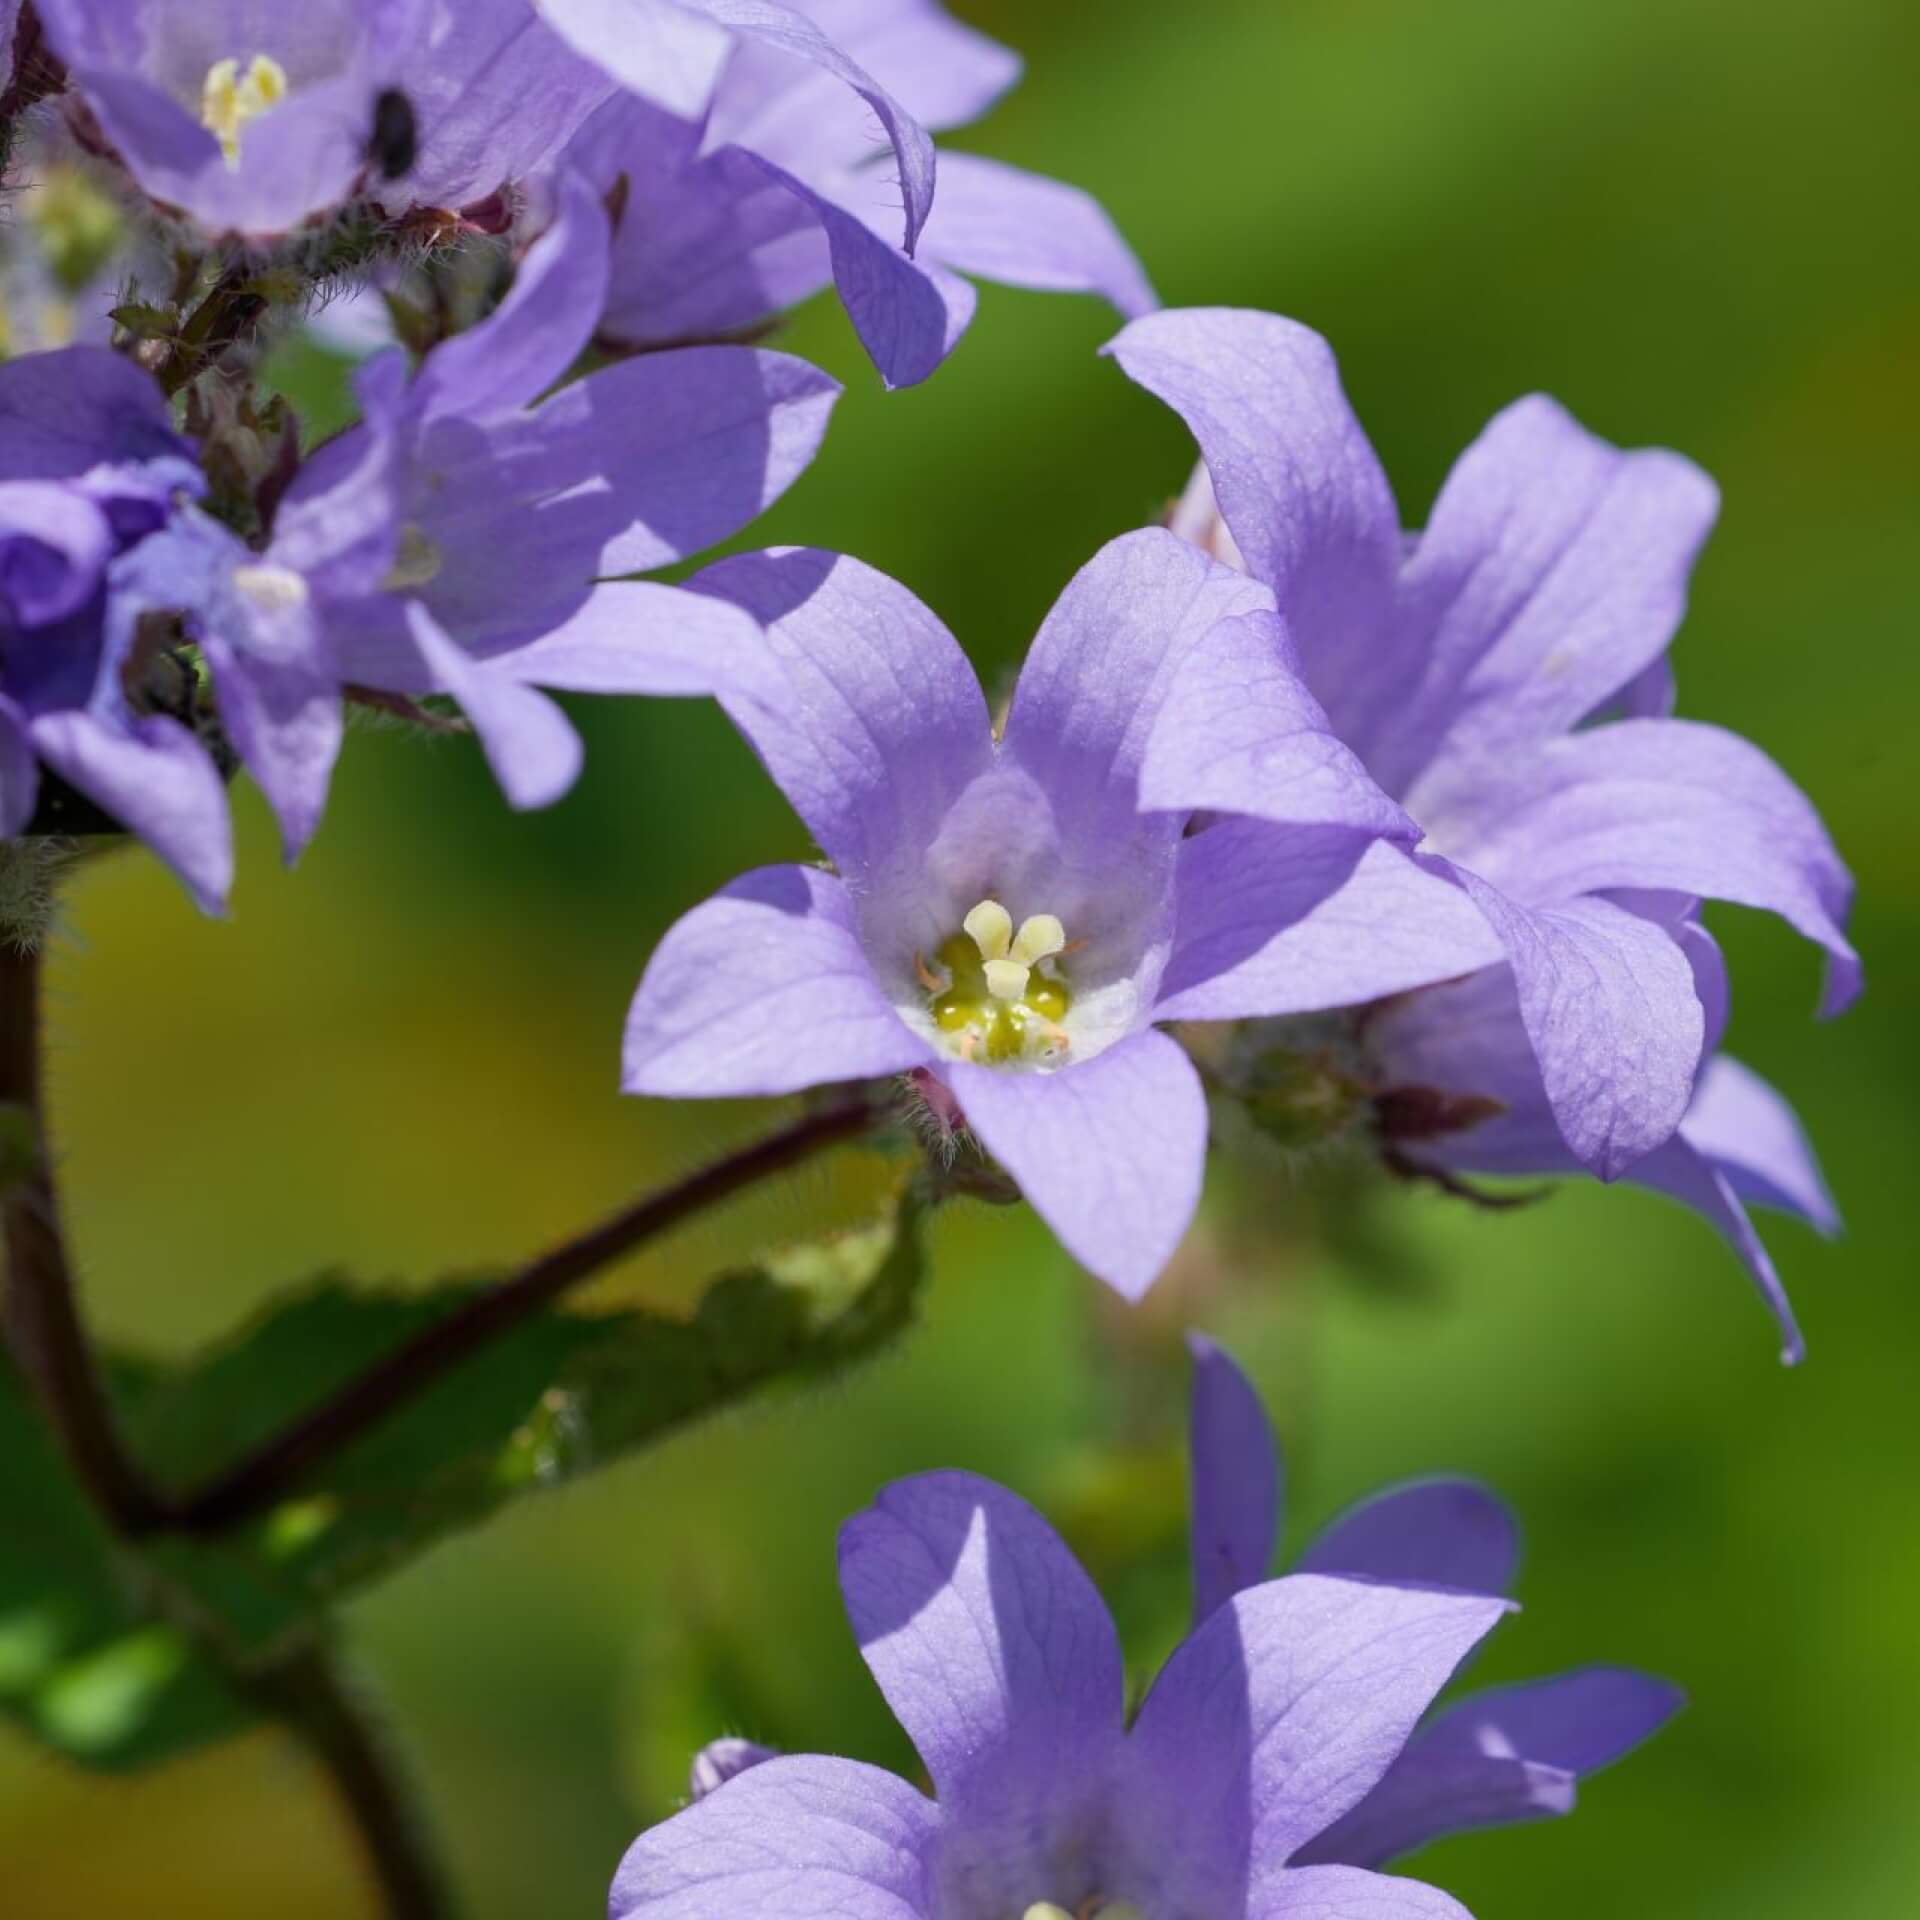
x: 529, y: 743
x: 1297, y: 482
x: 1432, y: 1533
x: 867, y: 714
x: 1609, y: 1004
x: 1240, y: 733
x: 801, y: 1835
x: 763, y: 989
x: 1272, y: 920
x: 285, y: 719
x: 1347, y: 1893
x: 1024, y: 230
x: 636, y: 636
x: 1666, y: 804
x: 662, y: 51
x: 54, y: 546
x: 720, y: 1760
x: 1552, y: 573
x: 65, y: 412
x: 1109, y: 1151
x: 1234, y: 1471
x: 19, y: 770
x: 998, y: 1658
x: 1509, y: 1754
x: 155, y: 778
x: 538, y: 331
x: 1278, y: 1715
x: 1753, y: 1137
x: 1100, y: 670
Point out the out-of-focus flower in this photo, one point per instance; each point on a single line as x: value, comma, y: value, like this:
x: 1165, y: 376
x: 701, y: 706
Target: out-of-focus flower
x: 456, y: 540
x: 1468, y: 668
x: 1000, y: 914
x: 732, y: 217
x: 91, y: 471
x: 62, y: 250
x: 1283, y: 1753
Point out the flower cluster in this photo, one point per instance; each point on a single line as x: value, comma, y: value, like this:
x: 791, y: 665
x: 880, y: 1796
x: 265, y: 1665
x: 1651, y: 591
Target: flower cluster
x: 1284, y: 1754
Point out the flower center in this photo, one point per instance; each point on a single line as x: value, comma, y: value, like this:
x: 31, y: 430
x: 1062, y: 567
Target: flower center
x: 1001, y: 998
x: 271, y: 589
x: 1094, y: 1909
x: 232, y: 95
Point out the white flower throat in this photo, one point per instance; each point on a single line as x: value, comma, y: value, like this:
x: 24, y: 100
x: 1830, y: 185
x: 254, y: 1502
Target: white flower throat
x: 233, y: 95
x: 1001, y: 997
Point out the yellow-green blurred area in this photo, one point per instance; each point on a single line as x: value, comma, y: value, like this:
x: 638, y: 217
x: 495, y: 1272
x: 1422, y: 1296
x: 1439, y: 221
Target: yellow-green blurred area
x: 1693, y: 221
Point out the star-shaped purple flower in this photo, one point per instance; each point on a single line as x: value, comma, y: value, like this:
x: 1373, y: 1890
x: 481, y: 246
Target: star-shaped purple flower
x: 1468, y: 668
x: 456, y: 540
x: 1280, y: 1756
x: 1001, y: 916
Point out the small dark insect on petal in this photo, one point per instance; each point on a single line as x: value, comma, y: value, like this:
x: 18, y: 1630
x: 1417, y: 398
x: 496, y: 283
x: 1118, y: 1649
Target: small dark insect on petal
x: 394, y: 143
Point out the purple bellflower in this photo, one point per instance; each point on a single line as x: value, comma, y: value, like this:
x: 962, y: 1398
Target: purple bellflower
x: 1469, y: 669
x: 254, y: 116
x: 456, y: 540
x: 1279, y: 1758
x: 91, y: 471
x: 1000, y: 916
x: 774, y: 192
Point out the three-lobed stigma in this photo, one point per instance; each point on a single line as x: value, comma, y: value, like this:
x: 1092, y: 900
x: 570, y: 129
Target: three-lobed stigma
x: 1001, y: 999
x: 233, y: 95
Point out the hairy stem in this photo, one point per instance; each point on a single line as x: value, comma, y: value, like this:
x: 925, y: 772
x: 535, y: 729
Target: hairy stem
x: 273, y: 1470
x: 43, y: 1322
x: 306, y: 1693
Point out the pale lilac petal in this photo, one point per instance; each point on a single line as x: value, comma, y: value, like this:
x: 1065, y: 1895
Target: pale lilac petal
x: 1552, y: 573
x: 155, y: 778
x: 999, y: 1659
x: 1348, y: 1893
x: 636, y: 636
x: 529, y: 743
x: 803, y: 1835
x: 1609, y: 1004
x: 763, y: 989
x: 1297, y: 482
x: 663, y: 52
x: 538, y: 331
x: 1234, y: 1472
x: 1101, y: 667
x: 64, y: 412
x: 1109, y: 1151
x: 868, y: 716
x: 1682, y: 1172
x: 1240, y: 733
x: 1273, y: 920
x: 1025, y: 230
x: 1509, y: 1754
x: 1751, y: 1134
x: 284, y: 717
x: 1432, y: 1533
x: 1277, y: 1716
x: 788, y: 31
x: 1667, y: 804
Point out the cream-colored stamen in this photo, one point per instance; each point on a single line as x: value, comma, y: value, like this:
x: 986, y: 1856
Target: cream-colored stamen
x: 232, y: 96
x: 1041, y: 935
x: 990, y: 927
x: 1007, y: 979
x: 271, y: 589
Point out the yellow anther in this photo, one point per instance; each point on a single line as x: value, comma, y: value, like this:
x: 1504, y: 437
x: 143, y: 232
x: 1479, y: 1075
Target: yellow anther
x: 230, y: 97
x: 990, y: 926
x: 1006, y: 979
x: 1041, y: 935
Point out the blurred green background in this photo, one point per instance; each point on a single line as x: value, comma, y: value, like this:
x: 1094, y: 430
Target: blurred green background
x: 1689, y: 219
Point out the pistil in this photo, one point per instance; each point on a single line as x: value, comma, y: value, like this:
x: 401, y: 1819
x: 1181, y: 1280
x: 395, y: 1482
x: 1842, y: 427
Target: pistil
x: 997, y: 996
x: 231, y: 96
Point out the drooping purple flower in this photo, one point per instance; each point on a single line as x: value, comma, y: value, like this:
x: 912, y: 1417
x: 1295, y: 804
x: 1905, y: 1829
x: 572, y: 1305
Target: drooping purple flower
x: 1738, y: 1143
x: 253, y: 116
x: 457, y: 540
x: 774, y: 191
x: 1001, y: 915
x: 1508, y: 1754
x: 1468, y: 669
x: 91, y: 471
x: 1284, y: 1754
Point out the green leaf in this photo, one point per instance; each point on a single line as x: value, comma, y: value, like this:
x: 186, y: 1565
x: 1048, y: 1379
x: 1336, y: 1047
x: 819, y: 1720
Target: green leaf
x: 91, y: 1660
x: 565, y: 1393
x: 146, y: 322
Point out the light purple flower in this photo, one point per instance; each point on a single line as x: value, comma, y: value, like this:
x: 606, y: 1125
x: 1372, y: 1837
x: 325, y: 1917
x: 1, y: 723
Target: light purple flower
x: 1466, y: 668
x: 738, y: 213
x: 456, y: 540
x: 1738, y: 1143
x: 1284, y: 1753
x: 1508, y: 1754
x: 1000, y: 914
x: 91, y: 470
